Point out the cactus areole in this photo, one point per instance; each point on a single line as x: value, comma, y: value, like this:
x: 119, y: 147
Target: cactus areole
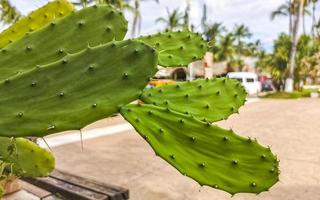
x: 72, y: 68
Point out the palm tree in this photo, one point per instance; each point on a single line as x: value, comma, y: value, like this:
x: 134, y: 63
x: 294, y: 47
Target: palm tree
x: 314, y: 2
x: 173, y: 20
x: 137, y: 19
x: 305, y: 13
x: 204, y: 17
x: 8, y: 13
x: 213, y: 31
x: 286, y: 9
x: 186, y: 17
x: 253, y: 48
x: 226, y: 48
x: 241, y: 32
x: 136, y: 24
x: 300, y: 4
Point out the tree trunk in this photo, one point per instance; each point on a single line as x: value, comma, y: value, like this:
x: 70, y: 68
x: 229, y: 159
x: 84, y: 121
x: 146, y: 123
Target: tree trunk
x: 290, y: 18
x: 294, y: 42
x: 136, y: 16
x: 313, y: 19
x: 304, y: 22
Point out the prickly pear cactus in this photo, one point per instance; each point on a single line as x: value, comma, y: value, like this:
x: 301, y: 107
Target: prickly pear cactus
x: 73, y: 72
x: 36, y: 20
x: 208, y: 100
x: 91, y: 26
x: 208, y: 154
x: 27, y: 158
x: 176, y: 48
x: 77, y: 90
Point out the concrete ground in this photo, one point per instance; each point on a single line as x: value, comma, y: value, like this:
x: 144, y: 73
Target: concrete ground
x: 290, y: 127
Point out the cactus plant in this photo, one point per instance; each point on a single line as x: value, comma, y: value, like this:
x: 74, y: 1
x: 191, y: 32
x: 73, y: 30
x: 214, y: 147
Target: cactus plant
x: 27, y: 158
x: 208, y: 154
x: 35, y: 20
x: 91, y: 26
x: 80, y: 87
x: 176, y: 48
x: 74, y: 71
x: 209, y: 100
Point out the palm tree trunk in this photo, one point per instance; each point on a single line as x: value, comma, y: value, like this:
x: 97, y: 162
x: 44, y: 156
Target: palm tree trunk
x: 294, y: 42
x: 136, y: 18
x: 290, y: 18
x: 304, y: 22
x: 313, y: 19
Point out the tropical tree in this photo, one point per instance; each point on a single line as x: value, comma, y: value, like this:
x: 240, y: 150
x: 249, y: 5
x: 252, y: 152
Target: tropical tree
x: 8, y: 13
x: 286, y: 10
x: 241, y: 32
x: 226, y: 48
x: 305, y: 13
x: 313, y: 2
x: 300, y: 4
x: 276, y: 63
x: 137, y: 19
x: 307, y: 48
x: 213, y: 31
x: 174, y: 19
x: 253, y: 48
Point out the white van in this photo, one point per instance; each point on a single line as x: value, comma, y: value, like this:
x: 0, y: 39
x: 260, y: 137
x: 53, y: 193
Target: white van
x: 248, y: 79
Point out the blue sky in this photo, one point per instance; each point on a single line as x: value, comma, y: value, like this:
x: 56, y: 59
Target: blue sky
x: 255, y: 14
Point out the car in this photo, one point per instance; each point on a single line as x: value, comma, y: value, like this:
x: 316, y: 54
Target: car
x: 266, y: 84
x: 160, y: 82
x: 249, y: 80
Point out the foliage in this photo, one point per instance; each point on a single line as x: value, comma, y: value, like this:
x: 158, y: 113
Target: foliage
x: 173, y: 21
x: 276, y: 63
x: 8, y: 13
x: 289, y: 95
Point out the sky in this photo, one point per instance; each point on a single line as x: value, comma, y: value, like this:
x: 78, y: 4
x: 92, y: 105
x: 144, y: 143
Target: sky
x: 254, y: 14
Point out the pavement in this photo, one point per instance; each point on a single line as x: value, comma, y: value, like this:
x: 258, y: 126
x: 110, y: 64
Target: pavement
x: 119, y: 156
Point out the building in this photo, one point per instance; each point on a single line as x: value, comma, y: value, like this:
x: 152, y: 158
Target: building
x: 205, y: 68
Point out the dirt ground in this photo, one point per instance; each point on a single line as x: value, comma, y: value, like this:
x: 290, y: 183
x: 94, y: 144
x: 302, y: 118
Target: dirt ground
x: 290, y: 127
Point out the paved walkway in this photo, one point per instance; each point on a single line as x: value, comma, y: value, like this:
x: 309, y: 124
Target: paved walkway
x: 290, y: 127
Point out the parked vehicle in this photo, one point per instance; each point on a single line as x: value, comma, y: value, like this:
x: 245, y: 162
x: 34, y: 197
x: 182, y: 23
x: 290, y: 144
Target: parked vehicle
x: 249, y: 81
x: 266, y: 84
x: 160, y: 82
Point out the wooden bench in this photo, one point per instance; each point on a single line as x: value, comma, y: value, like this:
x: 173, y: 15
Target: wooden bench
x: 74, y: 187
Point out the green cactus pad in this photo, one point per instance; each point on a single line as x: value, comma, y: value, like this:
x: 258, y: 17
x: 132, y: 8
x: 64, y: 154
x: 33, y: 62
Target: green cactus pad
x: 28, y: 159
x: 36, y: 20
x: 90, y: 26
x: 208, y: 100
x: 75, y: 91
x: 177, y: 48
x: 208, y: 154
